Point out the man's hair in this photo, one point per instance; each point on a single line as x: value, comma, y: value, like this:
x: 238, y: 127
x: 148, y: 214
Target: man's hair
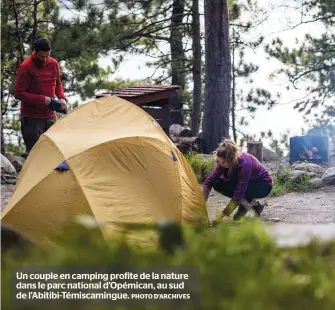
x: 42, y: 44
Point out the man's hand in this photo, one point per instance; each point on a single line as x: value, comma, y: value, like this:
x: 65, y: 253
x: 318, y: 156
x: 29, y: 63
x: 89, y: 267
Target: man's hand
x: 56, y: 105
x: 47, y: 100
x: 64, y: 105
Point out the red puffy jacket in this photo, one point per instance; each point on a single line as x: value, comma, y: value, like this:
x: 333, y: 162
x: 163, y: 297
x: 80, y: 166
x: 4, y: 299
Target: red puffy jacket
x: 33, y: 83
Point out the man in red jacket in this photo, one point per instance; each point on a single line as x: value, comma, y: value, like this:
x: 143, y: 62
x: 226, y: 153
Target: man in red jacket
x: 37, y: 82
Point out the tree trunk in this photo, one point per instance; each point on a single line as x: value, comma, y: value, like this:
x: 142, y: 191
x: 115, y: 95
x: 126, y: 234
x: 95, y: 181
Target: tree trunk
x: 233, y: 95
x: 218, y: 74
x: 34, y: 33
x: 177, y: 57
x: 256, y: 149
x: 20, y: 43
x: 197, y: 84
x: 3, y: 112
x: 3, y: 150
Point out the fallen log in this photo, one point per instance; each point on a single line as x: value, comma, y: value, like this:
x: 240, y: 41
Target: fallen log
x: 188, y: 144
x: 187, y: 140
x: 179, y: 131
x: 184, y: 149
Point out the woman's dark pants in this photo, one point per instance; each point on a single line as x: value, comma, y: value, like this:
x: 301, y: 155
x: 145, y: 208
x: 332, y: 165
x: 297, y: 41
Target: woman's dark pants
x: 256, y: 189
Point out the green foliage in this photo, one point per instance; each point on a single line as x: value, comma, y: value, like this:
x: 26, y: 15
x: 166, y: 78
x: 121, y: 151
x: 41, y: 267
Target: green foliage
x: 284, y: 182
x: 12, y: 149
x: 240, y: 267
x: 245, y: 16
x: 202, y: 168
x: 78, y: 40
x: 278, y: 145
x: 312, y: 61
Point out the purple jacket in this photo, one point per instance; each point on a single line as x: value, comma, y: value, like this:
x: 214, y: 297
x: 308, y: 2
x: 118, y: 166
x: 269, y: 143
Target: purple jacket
x: 249, y: 168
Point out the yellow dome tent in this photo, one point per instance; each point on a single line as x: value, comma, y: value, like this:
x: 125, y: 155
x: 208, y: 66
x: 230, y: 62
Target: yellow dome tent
x: 108, y: 159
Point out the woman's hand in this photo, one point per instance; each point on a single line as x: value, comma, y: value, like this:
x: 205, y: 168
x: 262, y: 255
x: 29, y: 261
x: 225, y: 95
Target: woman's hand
x: 231, y: 206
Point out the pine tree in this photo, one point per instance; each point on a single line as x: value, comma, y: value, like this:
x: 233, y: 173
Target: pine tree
x: 77, y: 42
x: 312, y: 62
x: 217, y: 74
x: 244, y: 18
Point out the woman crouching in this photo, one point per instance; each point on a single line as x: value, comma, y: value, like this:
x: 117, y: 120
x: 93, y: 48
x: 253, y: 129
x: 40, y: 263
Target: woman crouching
x: 239, y: 176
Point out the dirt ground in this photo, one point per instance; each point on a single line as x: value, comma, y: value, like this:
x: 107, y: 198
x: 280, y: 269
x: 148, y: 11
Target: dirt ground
x: 6, y: 193
x: 292, y: 219
x: 316, y: 207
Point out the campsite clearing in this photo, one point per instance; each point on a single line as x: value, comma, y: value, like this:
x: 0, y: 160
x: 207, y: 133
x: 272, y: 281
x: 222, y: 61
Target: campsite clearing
x: 317, y: 207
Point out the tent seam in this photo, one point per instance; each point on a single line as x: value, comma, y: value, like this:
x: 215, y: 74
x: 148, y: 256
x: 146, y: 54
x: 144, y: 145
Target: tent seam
x: 74, y: 174
x: 50, y: 174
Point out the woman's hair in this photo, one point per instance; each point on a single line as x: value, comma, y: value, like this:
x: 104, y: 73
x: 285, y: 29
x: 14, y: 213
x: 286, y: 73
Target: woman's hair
x: 228, y: 151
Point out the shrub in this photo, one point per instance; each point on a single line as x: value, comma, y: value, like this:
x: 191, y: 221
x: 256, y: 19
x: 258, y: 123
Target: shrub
x: 284, y: 183
x: 202, y: 168
x: 241, y: 267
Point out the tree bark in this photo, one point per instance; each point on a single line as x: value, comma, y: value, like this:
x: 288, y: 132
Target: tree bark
x: 3, y: 150
x: 233, y: 95
x: 177, y: 57
x: 217, y: 75
x: 197, y: 83
x: 35, y: 13
x: 3, y: 112
x: 20, y: 43
x: 256, y: 149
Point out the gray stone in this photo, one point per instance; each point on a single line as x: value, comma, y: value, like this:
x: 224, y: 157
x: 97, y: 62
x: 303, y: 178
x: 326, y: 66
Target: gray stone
x: 275, y: 219
x: 296, y: 174
x: 18, y: 163
x: 329, y: 176
x: 8, y: 179
x: 6, y: 166
x: 269, y: 155
x: 309, y: 167
x: 8, y: 172
x: 316, y: 182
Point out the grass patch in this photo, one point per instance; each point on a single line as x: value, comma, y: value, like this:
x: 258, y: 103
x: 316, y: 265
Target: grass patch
x: 240, y: 268
x: 202, y: 168
x: 283, y: 182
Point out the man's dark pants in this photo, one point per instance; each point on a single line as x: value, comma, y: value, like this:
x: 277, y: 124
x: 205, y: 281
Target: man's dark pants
x: 33, y: 128
x: 256, y: 189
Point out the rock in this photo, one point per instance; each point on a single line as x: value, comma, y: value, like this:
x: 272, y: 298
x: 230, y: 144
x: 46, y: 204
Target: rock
x: 8, y: 179
x: 275, y: 219
x: 8, y: 172
x: 316, y: 182
x: 269, y: 155
x: 329, y: 176
x: 18, y: 163
x: 296, y: 174
x: 310, y: 167
x: 6, y: 166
